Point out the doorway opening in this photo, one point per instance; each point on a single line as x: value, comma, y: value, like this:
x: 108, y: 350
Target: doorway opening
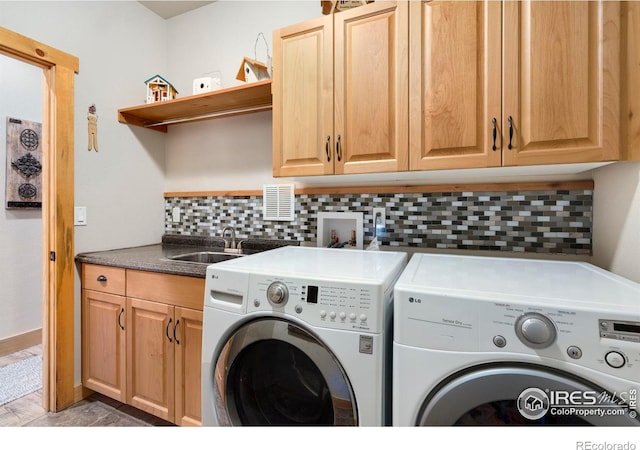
x: 58, y: 76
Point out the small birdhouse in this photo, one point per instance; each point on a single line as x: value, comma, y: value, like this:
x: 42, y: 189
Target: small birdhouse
x: 159, y: 90
x: 251, y: 71
x: 331, y: 7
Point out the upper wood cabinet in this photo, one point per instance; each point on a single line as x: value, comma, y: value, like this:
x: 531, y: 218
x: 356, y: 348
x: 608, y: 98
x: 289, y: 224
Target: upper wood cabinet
x: 631, y: 81
x: 340, y: 94
x: 548, y: 72
x: 563, y: 92
x: 455, y: 84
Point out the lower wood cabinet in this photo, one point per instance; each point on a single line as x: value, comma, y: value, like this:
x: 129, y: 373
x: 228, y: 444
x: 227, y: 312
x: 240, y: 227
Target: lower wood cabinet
x: 142, y: 351
x: 163, y: 359
x: 104, y: 343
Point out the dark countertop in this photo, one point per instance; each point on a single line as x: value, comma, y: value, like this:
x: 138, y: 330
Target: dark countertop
x: 154, y: 258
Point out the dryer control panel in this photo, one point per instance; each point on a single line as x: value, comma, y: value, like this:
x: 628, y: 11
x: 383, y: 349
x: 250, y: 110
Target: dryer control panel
x: 607, y: 342
x: 620, y: 329
x: 339, y: 305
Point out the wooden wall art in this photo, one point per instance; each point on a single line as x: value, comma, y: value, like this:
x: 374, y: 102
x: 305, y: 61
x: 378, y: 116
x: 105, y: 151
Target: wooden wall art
x: 24, y: 164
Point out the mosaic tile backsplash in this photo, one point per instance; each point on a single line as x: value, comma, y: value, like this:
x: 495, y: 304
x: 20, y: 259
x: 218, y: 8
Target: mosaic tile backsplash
x: 558, y: 221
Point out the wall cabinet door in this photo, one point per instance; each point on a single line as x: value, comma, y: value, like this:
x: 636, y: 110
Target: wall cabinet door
x: 370, y: 88
x: 455, y: 84
x: 150, y: 357
x: 302, y: 88
x: 340, y: 94
x: 104, y: 343
x: 631, y: 80
x: 561, y: 81
x: 188, y: 366
x: 548, y: 72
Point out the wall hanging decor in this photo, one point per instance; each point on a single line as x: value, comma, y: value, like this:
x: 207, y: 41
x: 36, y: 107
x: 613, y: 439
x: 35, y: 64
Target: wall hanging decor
x: 24, y: 164
x: 92, y: 130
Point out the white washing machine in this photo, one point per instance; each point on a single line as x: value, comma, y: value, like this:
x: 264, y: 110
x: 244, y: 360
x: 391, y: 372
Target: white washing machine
x: 483, y: 340
x: 299, y: 336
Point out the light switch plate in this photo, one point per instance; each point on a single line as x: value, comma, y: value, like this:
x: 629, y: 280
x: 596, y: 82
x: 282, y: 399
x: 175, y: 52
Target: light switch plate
x: 80, y: 215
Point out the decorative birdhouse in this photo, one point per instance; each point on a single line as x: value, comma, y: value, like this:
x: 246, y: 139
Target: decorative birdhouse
x: 331, y: 7
x: 159, y: 90
x: 251, y: 71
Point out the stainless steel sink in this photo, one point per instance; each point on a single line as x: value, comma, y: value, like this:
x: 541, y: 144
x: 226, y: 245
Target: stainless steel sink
x: 205, y: 257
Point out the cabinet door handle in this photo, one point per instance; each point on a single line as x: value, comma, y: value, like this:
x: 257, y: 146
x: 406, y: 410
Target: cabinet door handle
x: 495, y: 133
x: 120, y: 319
x: 102, y: 278
x: 175, y: 338
x: 166, y: 330
x: 510, y: 119
x: 339, y: 149
x: 327, y: 148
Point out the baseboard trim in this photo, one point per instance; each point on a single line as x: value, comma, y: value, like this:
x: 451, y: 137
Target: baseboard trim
x: 20, y: 342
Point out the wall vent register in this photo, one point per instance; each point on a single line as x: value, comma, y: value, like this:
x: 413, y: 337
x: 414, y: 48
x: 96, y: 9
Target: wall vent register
x: 279, y: 202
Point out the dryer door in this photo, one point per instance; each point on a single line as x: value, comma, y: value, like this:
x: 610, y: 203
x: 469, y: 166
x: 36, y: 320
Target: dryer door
x: 519, y: 395
x: 273, y: 372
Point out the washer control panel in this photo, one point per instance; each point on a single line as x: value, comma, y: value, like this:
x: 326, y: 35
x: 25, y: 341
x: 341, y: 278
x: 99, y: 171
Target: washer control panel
x: 277, y: 293
x: 348, y: 306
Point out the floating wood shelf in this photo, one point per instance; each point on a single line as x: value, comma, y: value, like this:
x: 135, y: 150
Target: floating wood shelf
x: 244, y: 99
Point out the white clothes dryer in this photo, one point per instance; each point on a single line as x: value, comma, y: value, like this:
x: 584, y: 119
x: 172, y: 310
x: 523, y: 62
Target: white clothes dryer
x: 484, y: 340
x: 299, y: 336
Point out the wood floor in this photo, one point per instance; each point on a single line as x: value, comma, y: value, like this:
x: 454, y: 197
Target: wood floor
x: 94, y: 411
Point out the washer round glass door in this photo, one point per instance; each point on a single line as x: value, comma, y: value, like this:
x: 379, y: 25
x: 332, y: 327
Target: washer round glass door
x: 273, y: 372
x: 493, y: 395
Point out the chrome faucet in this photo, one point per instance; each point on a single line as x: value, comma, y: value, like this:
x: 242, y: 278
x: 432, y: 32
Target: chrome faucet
x: 233, y: 237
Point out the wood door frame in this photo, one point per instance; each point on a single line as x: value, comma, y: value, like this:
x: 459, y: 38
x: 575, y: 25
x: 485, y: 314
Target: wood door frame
x: 59, y: 71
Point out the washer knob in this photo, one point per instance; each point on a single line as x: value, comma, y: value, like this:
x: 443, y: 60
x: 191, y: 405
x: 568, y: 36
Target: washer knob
x: 535, y: 330
x: 343, y: 315
x: 615, y: 359
x: 277, y: 293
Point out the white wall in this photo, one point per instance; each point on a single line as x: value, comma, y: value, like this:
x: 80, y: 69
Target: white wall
x: 119, y: 45
x: 20, y: 230
x: 616, y: 221
x: 231, y: 153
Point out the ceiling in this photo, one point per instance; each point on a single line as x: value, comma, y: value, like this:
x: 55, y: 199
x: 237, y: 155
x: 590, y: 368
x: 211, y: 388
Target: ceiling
x: 167, y: 10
